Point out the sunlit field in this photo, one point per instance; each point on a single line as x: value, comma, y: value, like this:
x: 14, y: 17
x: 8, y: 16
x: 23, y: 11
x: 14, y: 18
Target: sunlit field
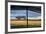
x: 23, y: 23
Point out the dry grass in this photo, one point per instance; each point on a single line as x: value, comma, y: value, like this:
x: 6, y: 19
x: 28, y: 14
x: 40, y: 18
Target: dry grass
x: 18, y: 22
x: 24, y: 22
x: 34, y: 22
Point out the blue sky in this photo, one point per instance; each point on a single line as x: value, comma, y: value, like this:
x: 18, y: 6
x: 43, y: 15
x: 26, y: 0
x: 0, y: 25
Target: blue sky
x: 31, y: 14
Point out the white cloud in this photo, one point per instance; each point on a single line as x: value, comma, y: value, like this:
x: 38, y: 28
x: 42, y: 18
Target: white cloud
x: 34, y: 17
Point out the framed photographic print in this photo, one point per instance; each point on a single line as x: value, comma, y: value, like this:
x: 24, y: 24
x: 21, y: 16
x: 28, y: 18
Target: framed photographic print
x: 25, y: 16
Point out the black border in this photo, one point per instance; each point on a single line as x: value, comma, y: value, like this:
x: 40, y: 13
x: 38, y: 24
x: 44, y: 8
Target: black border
x: 6, y: 16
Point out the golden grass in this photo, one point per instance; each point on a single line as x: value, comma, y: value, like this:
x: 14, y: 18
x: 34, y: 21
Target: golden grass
x: 21, y: 22
x: 18, y: 22
x: 34, y: 22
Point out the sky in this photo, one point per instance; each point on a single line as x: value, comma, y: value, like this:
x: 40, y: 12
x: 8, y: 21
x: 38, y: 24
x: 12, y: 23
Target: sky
x: 34, y: 12
x: 31, y: 14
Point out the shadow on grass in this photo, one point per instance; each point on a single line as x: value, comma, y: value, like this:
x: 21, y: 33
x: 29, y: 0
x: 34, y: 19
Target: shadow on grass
x: 25, y: 26
x: 33, y: 26
x: 20, y: 26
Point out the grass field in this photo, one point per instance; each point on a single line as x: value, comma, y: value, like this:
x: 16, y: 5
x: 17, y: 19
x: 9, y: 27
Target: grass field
x: 23, y: 23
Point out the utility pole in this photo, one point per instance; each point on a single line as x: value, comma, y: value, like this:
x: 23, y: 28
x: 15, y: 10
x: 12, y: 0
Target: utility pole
x: 27, y: 15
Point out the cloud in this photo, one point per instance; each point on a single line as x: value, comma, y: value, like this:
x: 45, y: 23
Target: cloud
x: 34, y: 18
